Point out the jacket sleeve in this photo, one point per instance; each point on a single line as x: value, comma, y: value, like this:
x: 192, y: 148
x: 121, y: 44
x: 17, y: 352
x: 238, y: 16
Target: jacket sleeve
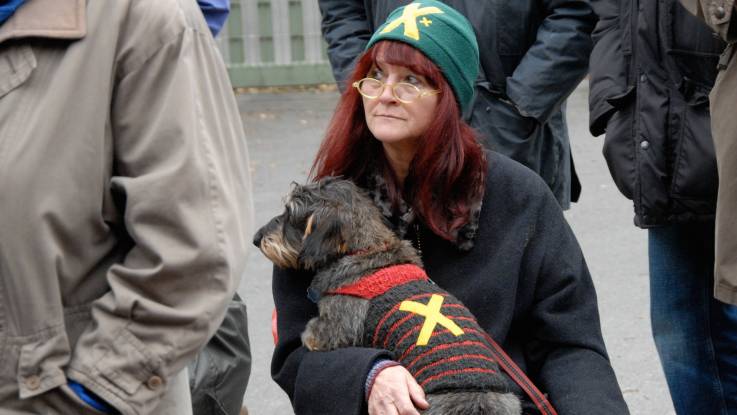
x: 318, y: 383
x: 608, y: 70
x: 565, y: 353
x: 346, y: 30
x: 556, y: 62
x: 181, y: 182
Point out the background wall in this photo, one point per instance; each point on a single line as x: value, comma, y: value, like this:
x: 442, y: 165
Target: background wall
x: 274, y: 43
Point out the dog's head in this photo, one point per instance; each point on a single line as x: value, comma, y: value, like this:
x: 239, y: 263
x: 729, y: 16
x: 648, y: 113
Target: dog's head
x: 321, y: 222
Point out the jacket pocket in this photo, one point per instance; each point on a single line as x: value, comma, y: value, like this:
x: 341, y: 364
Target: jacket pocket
x: 619, y: 144
x: 691, y: 45
x: 694, y: 174
x: 17, y: 62
x: 503, y: 129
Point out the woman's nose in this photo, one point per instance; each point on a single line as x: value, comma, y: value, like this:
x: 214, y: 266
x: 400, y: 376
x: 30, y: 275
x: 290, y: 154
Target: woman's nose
x: 387, y: 94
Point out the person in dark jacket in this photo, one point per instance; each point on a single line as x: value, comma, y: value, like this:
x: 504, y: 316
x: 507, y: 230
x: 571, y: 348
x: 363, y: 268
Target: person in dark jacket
x: 652, y: 68
x: 218, y: 376
x: 488, y: 230
x: 533, y: 55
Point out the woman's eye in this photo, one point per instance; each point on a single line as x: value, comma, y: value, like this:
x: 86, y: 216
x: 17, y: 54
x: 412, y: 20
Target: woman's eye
x: 376, y: 74
x: 413, y: 80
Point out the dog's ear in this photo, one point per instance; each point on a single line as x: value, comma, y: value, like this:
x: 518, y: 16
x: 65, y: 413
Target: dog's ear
x: 325, y: 238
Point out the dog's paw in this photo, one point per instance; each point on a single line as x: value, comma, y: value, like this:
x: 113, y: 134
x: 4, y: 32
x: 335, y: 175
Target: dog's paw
x: 311, y: 343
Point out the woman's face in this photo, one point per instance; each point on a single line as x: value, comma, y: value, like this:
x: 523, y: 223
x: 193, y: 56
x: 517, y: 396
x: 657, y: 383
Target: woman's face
x: 395, y: 123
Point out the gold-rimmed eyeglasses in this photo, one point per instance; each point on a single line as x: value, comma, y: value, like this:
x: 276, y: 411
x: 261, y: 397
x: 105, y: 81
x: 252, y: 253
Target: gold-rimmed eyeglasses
x: 372, y: 88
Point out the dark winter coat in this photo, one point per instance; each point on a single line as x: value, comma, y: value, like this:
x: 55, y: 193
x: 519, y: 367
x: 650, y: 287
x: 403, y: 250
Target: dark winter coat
x: 525, y: 280
x: 652, y: 68
x: 218, y: 376
x: 533, y: 53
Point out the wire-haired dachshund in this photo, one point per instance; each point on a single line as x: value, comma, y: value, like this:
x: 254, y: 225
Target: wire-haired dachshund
x: 373, y: 293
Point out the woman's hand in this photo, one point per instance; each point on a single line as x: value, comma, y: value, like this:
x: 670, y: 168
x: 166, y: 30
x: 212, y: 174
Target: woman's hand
x: 396, y: 392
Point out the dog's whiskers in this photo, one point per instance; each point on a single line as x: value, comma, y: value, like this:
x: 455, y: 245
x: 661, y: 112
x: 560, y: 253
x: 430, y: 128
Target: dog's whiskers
x: 274, y: 248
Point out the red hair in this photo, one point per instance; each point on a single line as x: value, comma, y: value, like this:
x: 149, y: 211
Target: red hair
x: 447, y: 172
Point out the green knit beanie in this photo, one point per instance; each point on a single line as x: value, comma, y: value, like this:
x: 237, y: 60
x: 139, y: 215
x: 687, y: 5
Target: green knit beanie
x: 443, y: 35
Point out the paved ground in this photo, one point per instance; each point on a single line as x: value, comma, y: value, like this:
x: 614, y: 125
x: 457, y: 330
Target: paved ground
x: 284, y: 131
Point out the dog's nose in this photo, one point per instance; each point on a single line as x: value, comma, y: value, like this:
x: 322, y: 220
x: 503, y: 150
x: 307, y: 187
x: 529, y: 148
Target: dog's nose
x: 257, y: 238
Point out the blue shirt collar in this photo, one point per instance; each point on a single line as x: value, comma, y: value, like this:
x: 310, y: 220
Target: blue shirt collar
x: 8, y: 7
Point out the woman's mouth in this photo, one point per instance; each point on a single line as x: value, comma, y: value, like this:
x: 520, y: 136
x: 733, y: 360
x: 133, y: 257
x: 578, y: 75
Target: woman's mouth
x: 389, y: 116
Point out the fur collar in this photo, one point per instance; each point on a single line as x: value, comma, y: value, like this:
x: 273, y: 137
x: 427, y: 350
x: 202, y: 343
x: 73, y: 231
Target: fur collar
x: 405, y: 216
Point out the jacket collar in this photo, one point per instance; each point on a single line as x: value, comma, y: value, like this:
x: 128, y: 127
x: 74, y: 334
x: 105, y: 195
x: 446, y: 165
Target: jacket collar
x: 53, y: 19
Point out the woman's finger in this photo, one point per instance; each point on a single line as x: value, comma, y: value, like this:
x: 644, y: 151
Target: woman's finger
x: 390, y: 393
x: 405, y: 406
x: 416, y: 393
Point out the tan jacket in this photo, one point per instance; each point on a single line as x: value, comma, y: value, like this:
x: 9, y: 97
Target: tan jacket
x: 719, y: 14
x: 125, y: 198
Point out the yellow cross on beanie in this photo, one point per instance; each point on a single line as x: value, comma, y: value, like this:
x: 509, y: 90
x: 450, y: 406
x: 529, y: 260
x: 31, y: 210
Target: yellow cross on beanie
x: 443, y: 35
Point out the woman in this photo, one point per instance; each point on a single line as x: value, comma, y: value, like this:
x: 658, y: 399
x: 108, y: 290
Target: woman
x: 489, y: 231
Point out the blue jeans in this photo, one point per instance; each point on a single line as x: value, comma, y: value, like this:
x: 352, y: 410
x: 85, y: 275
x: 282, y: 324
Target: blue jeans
x: 695, y: 335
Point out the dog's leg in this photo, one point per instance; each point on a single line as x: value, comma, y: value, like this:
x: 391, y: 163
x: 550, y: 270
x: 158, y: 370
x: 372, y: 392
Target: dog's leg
x: 340, y: 323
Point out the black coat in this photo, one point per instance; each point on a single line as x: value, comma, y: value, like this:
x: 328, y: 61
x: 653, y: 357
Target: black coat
x: 218, y: 376
x: 533, y: 52
x: 525, y: 280
x: 652, y: 68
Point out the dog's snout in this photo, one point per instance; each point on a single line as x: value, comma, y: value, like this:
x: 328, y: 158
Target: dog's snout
x: 258, y: 237
x: 265, y: 230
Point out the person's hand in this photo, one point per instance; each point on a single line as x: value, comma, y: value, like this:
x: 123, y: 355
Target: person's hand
x: 396, y: 392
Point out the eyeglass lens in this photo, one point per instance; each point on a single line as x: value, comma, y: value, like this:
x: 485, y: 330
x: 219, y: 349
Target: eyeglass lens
x: 372, y: 88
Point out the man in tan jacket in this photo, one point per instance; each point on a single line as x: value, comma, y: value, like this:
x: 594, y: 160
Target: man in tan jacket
x: 125, y: 200
x: 719, y: 14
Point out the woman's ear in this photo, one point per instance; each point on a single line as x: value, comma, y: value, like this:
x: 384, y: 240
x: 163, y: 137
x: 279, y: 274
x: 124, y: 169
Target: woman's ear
x: 325, y: 238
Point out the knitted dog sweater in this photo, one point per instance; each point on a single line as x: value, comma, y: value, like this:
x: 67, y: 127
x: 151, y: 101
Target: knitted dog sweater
x: 430, y: 332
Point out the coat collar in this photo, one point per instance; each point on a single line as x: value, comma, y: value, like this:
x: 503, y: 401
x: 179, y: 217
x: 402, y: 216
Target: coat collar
x: 54, y: 19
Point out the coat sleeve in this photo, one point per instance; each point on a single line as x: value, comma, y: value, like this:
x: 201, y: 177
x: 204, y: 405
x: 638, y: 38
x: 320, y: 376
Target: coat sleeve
x: 556, y: 62
x: 566, y: 354
x: 346, y: 30
x: 180, y: 180
x: 608, y: 83
x: 318, y: 383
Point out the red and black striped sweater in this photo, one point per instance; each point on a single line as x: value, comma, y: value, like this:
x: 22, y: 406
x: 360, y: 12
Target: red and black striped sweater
x: 430, y: 332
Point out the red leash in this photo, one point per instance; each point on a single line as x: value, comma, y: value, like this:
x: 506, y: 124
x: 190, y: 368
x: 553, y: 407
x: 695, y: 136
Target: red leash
x: 519, y: 377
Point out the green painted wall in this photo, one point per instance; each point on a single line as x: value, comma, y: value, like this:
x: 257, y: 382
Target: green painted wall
x: 299, y: 70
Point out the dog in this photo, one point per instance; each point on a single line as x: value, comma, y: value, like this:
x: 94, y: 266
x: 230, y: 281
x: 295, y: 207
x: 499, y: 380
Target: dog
x: 373, y: 293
